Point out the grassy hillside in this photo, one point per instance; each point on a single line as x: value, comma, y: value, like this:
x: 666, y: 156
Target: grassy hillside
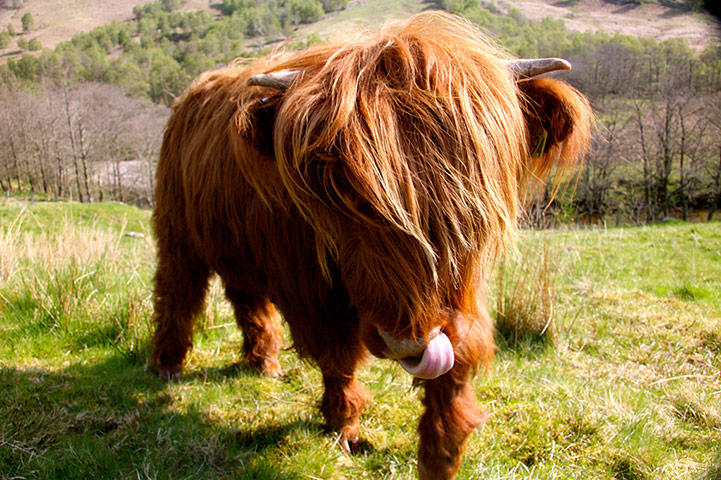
x: 629, y: 388
x: 659, y: 21
x: 58, y: 21
x: 362, y: 16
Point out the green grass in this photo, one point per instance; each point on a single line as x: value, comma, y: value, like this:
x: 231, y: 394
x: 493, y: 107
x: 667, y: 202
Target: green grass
x: 365, y: 16
x: 630, y: 388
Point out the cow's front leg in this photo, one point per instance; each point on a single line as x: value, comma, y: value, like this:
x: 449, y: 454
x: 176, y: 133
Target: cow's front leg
x: 342, y: 404
x: 344, y: 397
x: 450, y: 417
x: 337, y: 350
x: 452, y: 413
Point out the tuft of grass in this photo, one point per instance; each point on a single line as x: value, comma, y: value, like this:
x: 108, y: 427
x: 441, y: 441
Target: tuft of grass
x: 690, y: 292
x: 71, y: 277
x: 696, y: 409
x: 626, y: 466
x: 525, y: 297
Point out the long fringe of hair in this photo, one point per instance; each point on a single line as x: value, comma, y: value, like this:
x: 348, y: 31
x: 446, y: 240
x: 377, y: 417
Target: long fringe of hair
x: 419, y: 131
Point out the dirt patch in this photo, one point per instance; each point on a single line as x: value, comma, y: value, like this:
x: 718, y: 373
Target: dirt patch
x: 57, y: 21
x: 648, y: 20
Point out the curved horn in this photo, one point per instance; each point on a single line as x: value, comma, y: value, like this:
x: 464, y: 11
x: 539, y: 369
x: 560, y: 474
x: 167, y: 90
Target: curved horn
x: 526, y: 68
x: 279, y: 79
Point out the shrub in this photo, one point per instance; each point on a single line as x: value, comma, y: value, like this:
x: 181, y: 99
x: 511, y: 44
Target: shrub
x: 333, y: 5
x: 34, y: 45
x: 526, y: 297
x: 304, y: 11
x: 28, y: 22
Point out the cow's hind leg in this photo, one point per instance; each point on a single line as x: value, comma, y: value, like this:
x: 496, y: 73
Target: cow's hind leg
x: 181, y: 281
x: 262, y: 333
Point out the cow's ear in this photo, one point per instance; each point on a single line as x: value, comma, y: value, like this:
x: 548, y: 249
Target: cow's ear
x: 263, y: 121
x: 558, y: 122
x: 264, y: 112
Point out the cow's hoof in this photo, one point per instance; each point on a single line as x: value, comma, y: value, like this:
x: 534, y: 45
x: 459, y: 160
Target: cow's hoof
x: 352, y: 446
x: 169, y: 377
x: 266, y: 366
x: 273, y: 370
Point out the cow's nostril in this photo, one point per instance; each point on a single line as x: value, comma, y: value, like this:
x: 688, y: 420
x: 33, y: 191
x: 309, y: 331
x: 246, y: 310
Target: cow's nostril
x: 413, y: 361
x: 406, y: 348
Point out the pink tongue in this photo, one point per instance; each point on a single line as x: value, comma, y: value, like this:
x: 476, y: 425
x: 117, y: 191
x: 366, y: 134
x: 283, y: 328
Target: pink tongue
x: 437, y: 359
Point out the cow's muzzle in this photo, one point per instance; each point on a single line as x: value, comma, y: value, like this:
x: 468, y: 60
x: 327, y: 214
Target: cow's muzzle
x: 421, y: 358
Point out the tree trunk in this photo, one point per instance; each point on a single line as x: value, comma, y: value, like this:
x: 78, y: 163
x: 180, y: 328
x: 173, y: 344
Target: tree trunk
x: 6, y: 164
x: 73, y: 148
x: 682, y: 180
x: 647, y: 177
x: 16, y: 162
x: 151, y: 180
x: 667, y: 158
x: 59, y: 177
x: 41, y: 163
x: 84, y: 162
x: 717, y: 193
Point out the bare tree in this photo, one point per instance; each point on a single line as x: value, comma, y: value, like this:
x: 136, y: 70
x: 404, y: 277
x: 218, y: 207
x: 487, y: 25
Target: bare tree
x: 716, y: 185
x: 89, y: 142
x: 70, y: 119
x: 148, y: 132
x: 712, y: 167
x: 646, y: 161
x: 12, y: 121
x: 665, y: 117
x: 597, y: 182
x: 692, y: 129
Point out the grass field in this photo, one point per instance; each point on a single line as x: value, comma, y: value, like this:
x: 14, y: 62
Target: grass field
x: 630, y: 388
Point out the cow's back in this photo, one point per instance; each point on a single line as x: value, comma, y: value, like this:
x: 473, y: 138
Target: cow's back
x: 204, y: 197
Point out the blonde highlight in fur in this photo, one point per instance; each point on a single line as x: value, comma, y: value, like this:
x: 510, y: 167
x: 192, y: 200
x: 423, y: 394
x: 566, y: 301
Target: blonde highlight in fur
x: 422, y: 126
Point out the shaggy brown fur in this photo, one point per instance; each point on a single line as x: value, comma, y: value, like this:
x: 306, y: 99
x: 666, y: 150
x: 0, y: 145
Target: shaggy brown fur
x: 374, y: 192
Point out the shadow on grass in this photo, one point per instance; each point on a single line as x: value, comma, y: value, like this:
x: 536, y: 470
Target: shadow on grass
x: 714, y: 470
x: 114, y: 419
x: 526, y: 347
x: 220, y: 373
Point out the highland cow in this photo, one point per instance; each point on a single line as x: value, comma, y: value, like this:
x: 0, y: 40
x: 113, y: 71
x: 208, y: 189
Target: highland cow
x: 363, y: 190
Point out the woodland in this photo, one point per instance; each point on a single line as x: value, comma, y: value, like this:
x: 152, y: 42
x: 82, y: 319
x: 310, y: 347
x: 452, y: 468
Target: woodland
x: 83, y: 121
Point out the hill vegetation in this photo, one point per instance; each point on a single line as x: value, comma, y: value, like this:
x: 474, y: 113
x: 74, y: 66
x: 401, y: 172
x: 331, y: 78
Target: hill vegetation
x: 656, y: 152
